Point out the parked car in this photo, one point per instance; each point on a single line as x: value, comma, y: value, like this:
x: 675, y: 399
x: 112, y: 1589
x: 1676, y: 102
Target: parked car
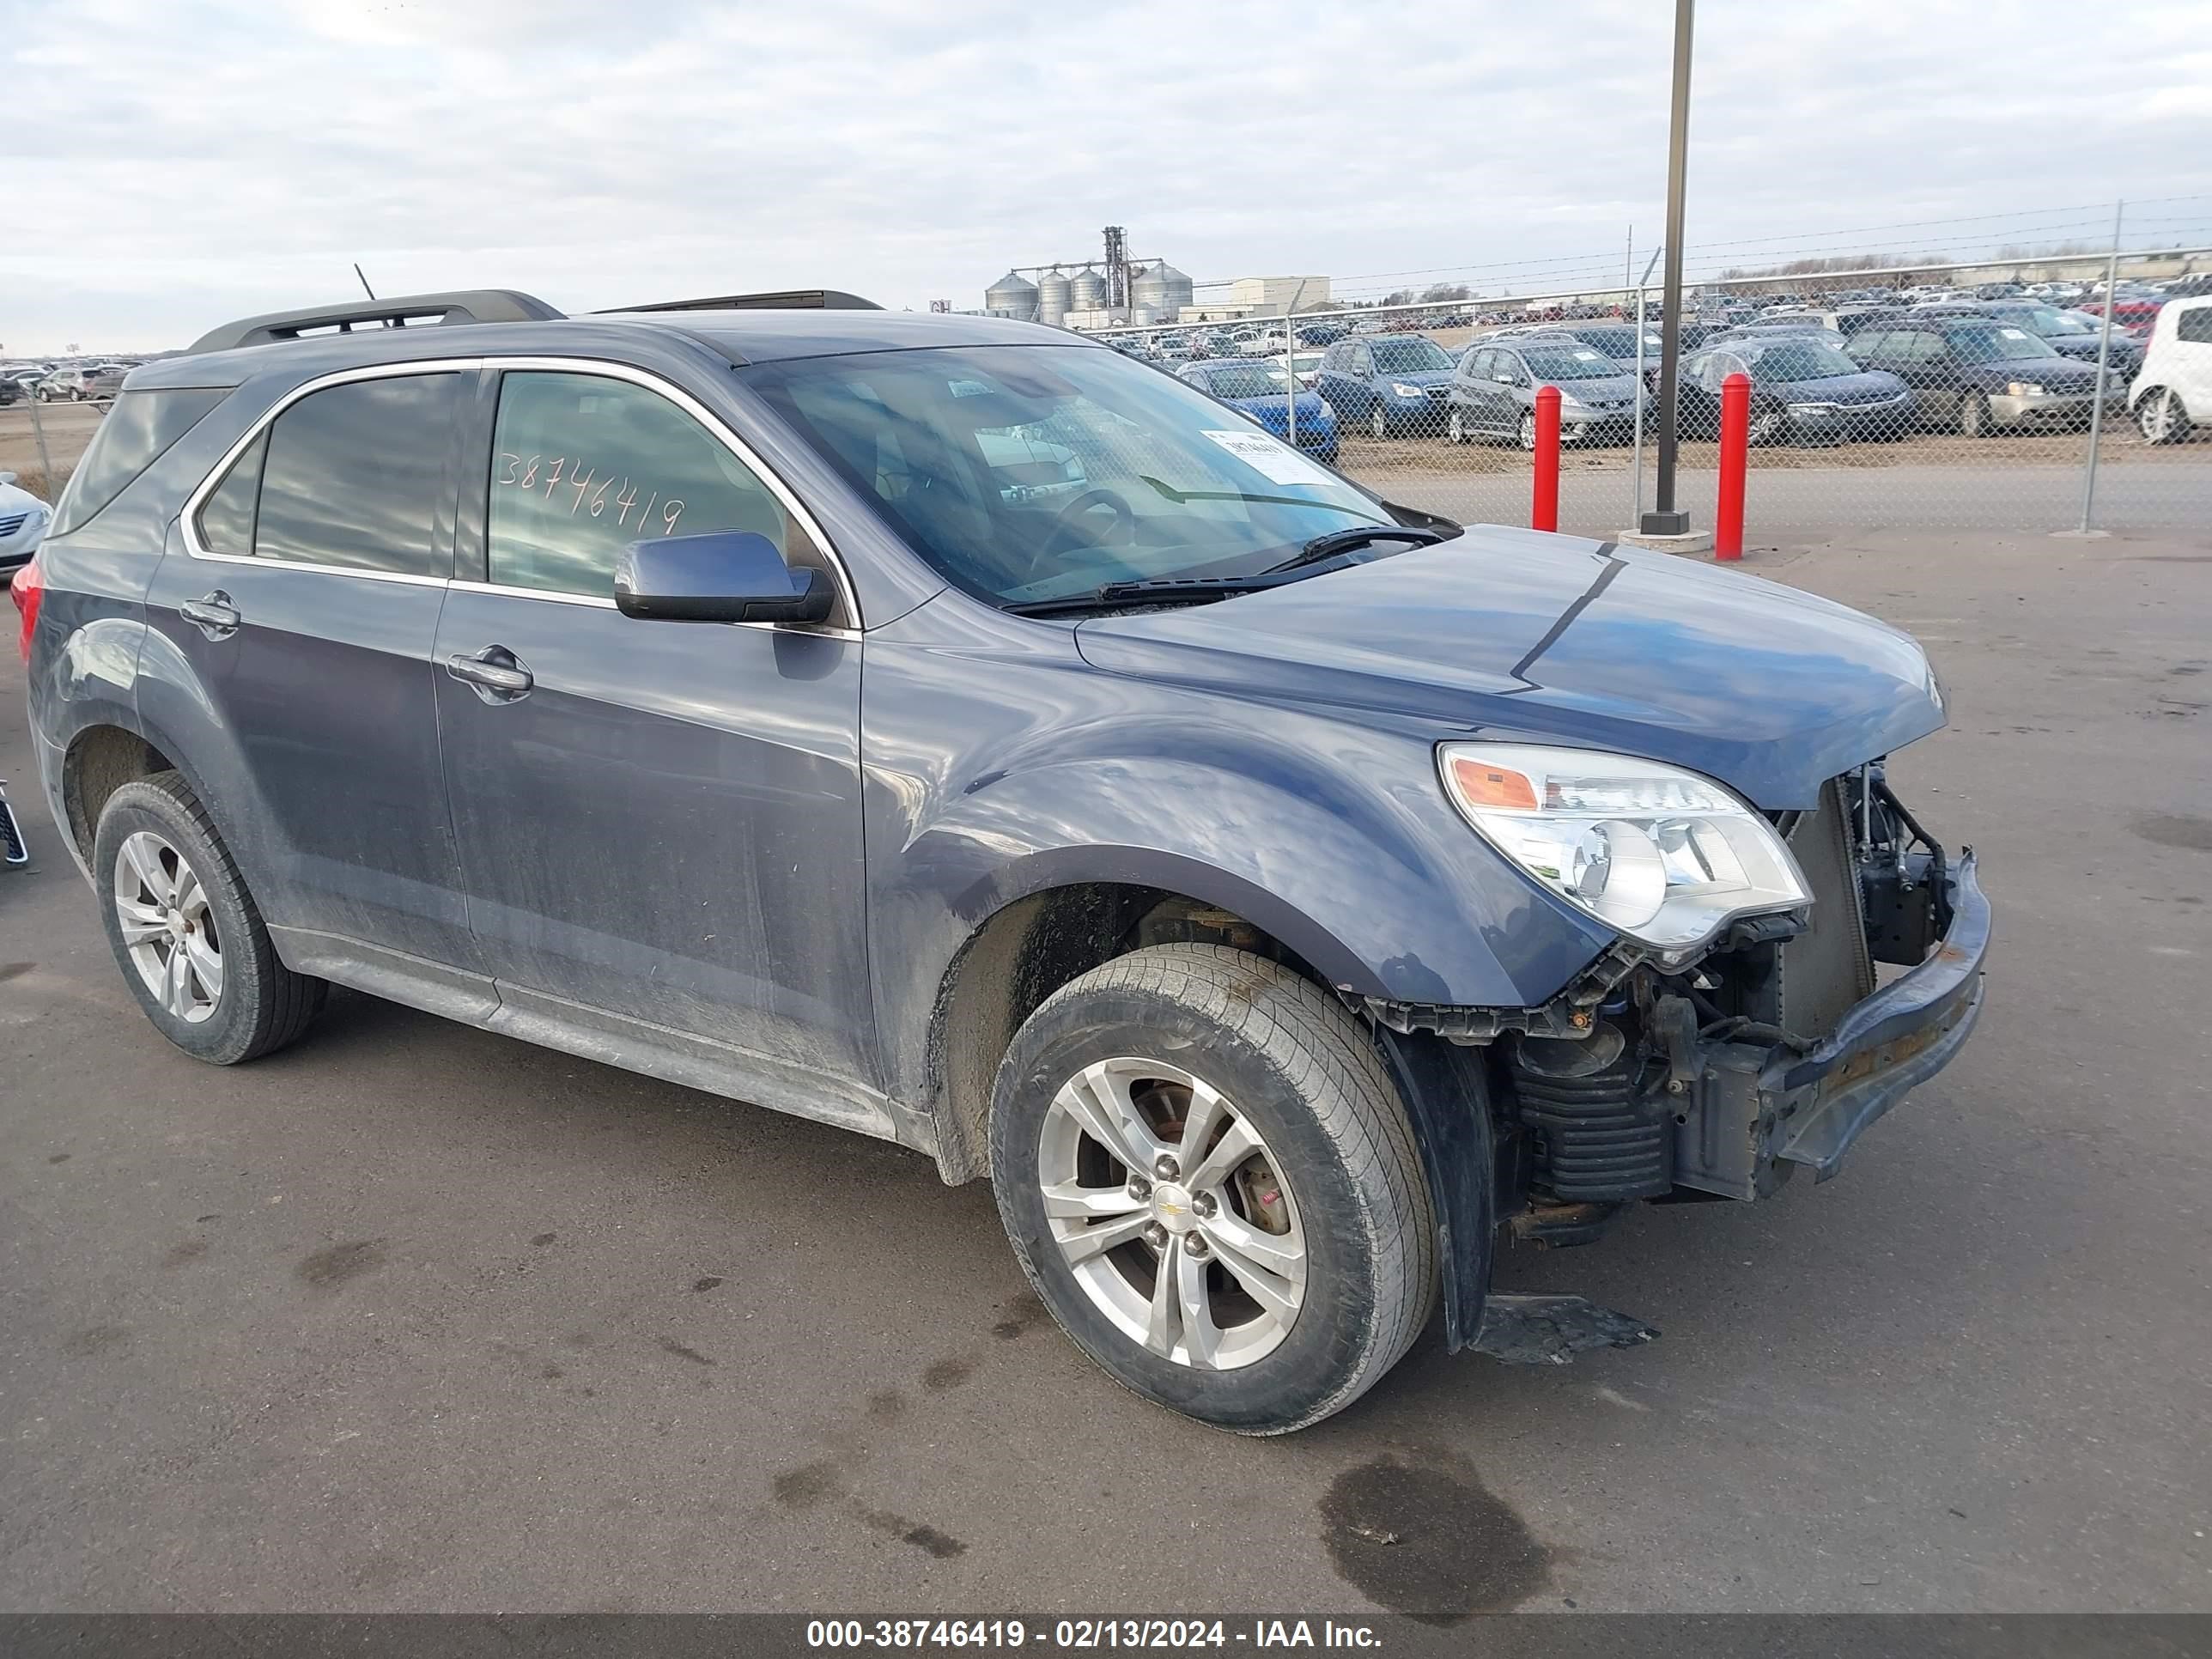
x: 1978, y: 375
x: 2171, y: 395
x: 11, y: 390
x: 1274, y: 892
x: 1492, y: 393
x: 1391, y: 383
x: 2072, y: 334
x: 1306, y: 364
x: 1801, y: 391
x: 69, y: 384
x: 1254, y: 388
x: 23, y: 520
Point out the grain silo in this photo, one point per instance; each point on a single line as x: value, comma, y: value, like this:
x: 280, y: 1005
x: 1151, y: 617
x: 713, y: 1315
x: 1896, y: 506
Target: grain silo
x: 1013, y: 295
x: 1053, y: 291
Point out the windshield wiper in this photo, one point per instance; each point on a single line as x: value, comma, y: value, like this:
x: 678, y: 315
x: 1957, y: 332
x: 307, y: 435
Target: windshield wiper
x: 1179, y: 496
x: 1147, y: 590
x: 1330, y: 542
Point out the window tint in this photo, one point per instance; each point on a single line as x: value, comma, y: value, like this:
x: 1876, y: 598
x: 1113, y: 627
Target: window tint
x: 2194, y: 325
x: 225, y: 520
x: 583, y: 465
x: 355, y: 475
x: 137, y: 432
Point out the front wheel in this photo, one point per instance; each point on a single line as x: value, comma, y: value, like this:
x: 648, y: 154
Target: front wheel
x: 1378, y: 420
x: 1210, y: 1181
x: 1528, y: 432
x: 1973, y: 416
x: 1458, y: 426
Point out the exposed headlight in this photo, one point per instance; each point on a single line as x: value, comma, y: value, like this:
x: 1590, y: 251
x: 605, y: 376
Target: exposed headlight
x: 2025, y: 389
x: 1662, y: 855
x: 1405, y: 390
x: 1811, y: 409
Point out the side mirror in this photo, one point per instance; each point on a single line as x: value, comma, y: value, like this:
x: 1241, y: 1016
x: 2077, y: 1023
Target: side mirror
x: 725, y: 575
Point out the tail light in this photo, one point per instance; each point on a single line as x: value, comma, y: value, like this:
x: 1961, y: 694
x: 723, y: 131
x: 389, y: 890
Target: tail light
x: 28, y: 588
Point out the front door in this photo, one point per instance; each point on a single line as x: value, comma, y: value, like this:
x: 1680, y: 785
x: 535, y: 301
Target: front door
x: 659, y: 820
x: 306, y: 596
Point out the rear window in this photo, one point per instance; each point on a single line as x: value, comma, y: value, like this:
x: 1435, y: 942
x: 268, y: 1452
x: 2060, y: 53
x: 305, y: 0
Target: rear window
x: 138, y: 430
x: 2195, y: 325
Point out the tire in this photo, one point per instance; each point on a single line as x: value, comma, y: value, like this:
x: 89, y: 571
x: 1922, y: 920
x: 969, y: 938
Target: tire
x: 256, y: 1004
x: 1974, y: 415
x: 1378, y: 420
x: 2161, y: 418
x: 1769, y: 427
x: 1269, y: 1053
x: 1456, y: 427
x: 1529, y: 431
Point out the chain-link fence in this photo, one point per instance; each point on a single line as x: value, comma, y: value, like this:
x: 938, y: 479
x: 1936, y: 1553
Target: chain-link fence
x: 1882, y: 399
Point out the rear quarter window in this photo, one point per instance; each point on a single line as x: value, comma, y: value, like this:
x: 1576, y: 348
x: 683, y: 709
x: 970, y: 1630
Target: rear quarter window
x: 137, y: 432
x: 2194, y: 325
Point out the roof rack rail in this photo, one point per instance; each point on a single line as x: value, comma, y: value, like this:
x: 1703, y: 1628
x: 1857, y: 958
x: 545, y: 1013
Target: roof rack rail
x: 481, y: 305
x: 795, y: 299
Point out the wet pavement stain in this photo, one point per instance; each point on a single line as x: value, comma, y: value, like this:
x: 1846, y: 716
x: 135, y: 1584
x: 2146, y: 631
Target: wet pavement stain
x: 2174, y: 829
x: 191, y: 1250
x: 543, y: 1239
x: 886, y: 1407
x: 14, y: 970
x: 669, y: 1344
x: 708, y: 1283
x: 947, y: 1374
x: 1425, y: 1540
x: 1026, y: 1313
x: 809, y: 1485
x: 335, y: 1264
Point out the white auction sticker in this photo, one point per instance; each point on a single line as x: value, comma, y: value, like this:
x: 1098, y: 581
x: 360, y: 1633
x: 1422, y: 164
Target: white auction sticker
x: 1274, y: 461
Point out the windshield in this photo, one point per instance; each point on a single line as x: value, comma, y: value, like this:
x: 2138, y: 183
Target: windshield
x: 1801, y: 360
x: 1407, y: 356
x: 1245, y: 381
x: 2049, y: 320
x: 1570, y: 363
x: 1994, y: 342
x: 1618, y: 343
x: 1034, y: 472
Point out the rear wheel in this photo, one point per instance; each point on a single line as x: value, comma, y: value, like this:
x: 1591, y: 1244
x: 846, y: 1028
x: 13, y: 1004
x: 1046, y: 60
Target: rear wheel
x: 1973, y: 416
x: 1528, y: 432
x: 1769, y: 426
x: 1209, y: 1179
x: 2161, y: 418
x: 185, y: 933
x: 1457, y: 426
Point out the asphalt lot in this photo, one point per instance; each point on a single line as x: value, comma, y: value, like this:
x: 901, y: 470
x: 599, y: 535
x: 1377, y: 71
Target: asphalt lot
x: 413, y: 1316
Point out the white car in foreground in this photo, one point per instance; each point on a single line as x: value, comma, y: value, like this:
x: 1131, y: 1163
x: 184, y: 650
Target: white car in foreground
x: 2172, y: 390
x: 23, y: 520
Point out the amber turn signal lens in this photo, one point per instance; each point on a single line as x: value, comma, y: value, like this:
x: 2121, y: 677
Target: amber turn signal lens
x: 1492, y: 786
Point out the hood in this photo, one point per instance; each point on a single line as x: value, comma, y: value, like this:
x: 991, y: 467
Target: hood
x: 2045, y: 371
x: 14, y: 499
x: 1269, y: 411
x: 2082, y: 348
x: 1874, y: 386
x: 1513, y: 632
x: 1615, y: 391
x: 1413, y: 376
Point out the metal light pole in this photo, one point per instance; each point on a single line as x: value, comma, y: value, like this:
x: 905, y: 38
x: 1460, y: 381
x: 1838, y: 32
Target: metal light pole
x: 1664, y: 520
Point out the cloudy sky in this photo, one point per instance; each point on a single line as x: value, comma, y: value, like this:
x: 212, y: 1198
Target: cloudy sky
x: 175, y: 163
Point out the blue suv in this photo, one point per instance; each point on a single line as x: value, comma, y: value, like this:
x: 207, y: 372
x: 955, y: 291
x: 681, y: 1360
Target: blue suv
x: 948, y: 729
x: 1393, y: 385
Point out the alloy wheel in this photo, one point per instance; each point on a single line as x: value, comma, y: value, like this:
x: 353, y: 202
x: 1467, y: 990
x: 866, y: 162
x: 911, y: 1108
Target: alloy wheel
x: 1458, y: 428
x: 1378, y: 423
x: 167, y: 930
x: 1172, y: 1213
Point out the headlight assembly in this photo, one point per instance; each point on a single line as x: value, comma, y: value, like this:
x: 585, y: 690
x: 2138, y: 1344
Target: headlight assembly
x: 1661, y: 855
x: 1405, y: 390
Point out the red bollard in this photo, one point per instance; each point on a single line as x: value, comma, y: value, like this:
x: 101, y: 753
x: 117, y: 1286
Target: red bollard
x: 1543, y: 508
x: 1735, y: 448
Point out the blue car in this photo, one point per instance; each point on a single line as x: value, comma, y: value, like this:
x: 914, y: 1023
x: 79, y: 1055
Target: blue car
x: 1255, y: 388
x: 950, y: 730
x: 1391, y: 383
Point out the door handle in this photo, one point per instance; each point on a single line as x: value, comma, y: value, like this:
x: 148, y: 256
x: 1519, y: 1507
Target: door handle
x: 495, y: 674
x: 214, y: 615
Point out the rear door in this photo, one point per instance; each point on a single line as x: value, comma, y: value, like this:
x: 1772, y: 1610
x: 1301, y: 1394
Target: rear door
x: 305, y: 600
x: 660, y: 820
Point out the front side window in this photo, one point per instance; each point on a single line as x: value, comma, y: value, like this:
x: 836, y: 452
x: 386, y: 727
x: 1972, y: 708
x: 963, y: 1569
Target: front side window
x: 354, y: 476
x: 583, y: 465
x: 2194, y: 325
x: 1023, y: 473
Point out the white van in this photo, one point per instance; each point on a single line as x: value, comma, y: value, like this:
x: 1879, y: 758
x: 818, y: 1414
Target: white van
x: 2172, y: 391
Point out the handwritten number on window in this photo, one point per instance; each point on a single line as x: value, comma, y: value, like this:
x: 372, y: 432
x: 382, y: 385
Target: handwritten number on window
x: 516, y: 472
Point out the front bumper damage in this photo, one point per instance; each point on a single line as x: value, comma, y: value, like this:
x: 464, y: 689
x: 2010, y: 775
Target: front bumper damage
x: 1758, y: 1107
